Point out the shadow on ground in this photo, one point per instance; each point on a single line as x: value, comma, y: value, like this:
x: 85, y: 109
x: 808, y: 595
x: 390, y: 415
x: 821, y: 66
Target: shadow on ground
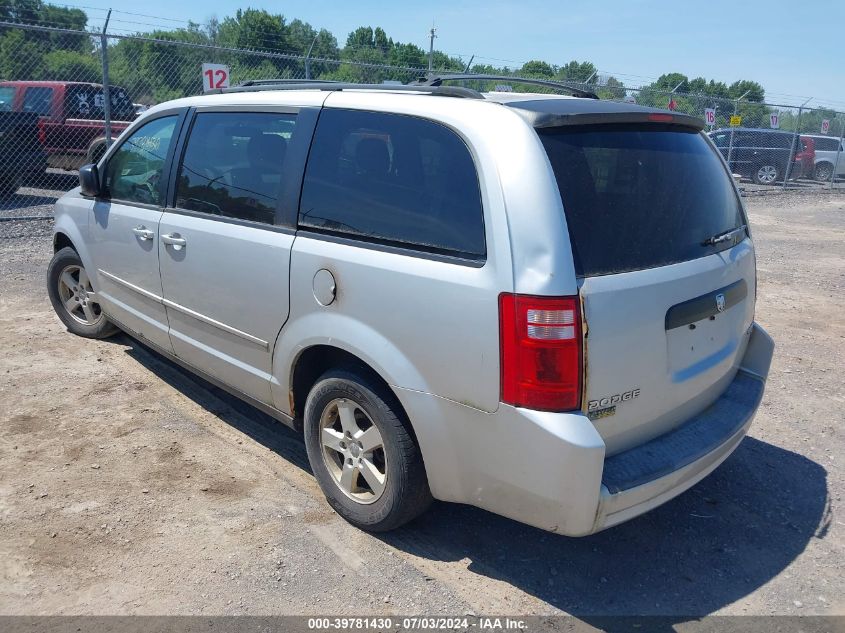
x: 25, y: 199
x: 254, y: 423
x: 726, y: 537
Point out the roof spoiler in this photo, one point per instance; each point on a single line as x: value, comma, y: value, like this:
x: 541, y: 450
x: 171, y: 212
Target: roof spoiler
x: 541, y: 120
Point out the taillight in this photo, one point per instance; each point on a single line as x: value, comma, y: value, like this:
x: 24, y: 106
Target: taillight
x: 42, y: 133
x: 540, y: 351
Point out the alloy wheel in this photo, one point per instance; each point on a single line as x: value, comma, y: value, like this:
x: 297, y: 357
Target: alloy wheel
x: 767, y: 174
x: 823, y: 172
x: 78, y: 297
x: 353, y: 450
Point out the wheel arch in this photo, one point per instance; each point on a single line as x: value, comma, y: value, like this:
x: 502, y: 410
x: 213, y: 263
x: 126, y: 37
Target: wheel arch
x: 61, y: 240
x: 96, y: 145
x: 314, y: 361
x: 67, y: 233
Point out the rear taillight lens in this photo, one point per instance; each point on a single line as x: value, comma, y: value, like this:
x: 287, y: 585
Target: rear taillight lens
x: 540, y: 351
x: 42, y: 133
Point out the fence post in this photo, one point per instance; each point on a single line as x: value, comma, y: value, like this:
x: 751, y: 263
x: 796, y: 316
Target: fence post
x: 308, y: 57
x: 731, y: 141
x: 838, y: 152
x: 794, y: 146
x: 431, y: 52
x: 104, y: 52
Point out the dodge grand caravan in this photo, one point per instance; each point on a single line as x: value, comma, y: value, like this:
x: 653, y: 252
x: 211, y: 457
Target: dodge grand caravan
x: 540, y: 305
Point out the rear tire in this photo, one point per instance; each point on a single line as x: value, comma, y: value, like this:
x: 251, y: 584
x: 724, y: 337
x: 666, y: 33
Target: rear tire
x: 766, y: 174
x: 362, y: 452
x: 823, y: 172
x: 73, y: 298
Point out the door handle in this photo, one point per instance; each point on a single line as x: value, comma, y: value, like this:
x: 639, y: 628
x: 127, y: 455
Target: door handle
x: 143, y: 232
x: 173, y: 239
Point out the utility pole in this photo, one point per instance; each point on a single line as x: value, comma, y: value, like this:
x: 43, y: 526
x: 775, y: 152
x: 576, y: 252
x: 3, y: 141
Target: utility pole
x: 431, y: 37
x: 104, y: 51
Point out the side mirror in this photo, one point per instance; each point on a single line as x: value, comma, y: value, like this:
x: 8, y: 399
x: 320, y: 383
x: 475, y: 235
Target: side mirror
x: 89, y: 180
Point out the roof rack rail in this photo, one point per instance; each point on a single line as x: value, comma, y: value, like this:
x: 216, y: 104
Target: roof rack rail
x: 267, y: 82
x: 331, y: 86
x: 439, y: 79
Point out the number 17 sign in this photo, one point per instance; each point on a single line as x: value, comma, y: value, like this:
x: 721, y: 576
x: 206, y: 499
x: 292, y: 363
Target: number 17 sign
x: 214, y: 77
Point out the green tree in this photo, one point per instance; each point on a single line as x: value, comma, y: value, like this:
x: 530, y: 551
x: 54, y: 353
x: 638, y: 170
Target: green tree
x: 254, y: 29
x: 20, y: 58
x: 67, y: 65
x: 538, y: 69
x: 577, y: 71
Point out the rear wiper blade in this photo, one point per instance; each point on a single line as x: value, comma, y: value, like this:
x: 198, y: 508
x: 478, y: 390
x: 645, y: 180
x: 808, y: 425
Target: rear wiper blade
x: 725, y: 236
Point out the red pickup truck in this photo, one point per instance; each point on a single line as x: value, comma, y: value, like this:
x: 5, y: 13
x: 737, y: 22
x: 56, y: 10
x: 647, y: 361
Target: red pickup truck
x: 71, y: 125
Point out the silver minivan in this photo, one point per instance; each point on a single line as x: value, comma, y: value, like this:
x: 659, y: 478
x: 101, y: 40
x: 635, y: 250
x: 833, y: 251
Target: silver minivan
x: 536, y: 304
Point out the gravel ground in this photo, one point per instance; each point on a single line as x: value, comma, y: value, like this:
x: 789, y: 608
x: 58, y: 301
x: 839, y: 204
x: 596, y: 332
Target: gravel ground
x: 129, y: 487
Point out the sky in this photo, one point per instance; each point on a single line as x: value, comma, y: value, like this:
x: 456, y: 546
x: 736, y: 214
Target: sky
x: 795, y: 49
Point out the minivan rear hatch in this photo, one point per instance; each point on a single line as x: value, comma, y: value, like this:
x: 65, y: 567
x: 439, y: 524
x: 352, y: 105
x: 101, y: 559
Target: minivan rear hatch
x: 666, y: 274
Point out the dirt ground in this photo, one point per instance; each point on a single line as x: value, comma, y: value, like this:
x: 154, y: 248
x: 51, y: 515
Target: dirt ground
x: 129, y: 487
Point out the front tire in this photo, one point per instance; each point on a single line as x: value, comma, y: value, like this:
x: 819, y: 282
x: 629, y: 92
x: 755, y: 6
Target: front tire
x: 73, y: 298
x: 362, y: 452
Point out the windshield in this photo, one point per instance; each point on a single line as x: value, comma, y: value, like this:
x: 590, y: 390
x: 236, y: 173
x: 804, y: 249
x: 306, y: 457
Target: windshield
x: 640, y: 196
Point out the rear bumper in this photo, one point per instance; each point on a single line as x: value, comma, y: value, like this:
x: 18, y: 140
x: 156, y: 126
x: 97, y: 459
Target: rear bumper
x: 644, y: 477
x: 549, y: 469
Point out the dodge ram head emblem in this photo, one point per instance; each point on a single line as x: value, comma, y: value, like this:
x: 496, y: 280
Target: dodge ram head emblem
x: 720, y: 302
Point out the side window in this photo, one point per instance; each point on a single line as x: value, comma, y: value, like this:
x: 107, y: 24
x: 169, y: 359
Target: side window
x: 38, y: 100
x: 134, y: 171
x: 7, y: 98
x: 233, y: 163
x: 787, y: 140
x: 742, y: 139
x: 393, y: 178
x: 722, y: 139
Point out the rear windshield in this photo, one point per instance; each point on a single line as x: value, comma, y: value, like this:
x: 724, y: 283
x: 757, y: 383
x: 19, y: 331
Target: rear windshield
x: 83, y: 101
x: 640, y: 196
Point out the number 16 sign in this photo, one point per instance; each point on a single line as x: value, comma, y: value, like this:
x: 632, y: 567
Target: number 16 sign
x: 214, y: 76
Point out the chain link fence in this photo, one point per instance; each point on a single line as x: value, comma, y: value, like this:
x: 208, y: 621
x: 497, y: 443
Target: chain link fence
x: 64, y: 93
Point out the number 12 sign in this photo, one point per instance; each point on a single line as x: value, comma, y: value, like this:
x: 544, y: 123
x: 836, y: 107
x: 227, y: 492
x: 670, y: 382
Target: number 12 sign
x: 214, y: 76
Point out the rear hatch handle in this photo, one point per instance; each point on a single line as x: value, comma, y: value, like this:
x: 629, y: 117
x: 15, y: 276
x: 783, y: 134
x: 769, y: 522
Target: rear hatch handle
x: 724, y: 236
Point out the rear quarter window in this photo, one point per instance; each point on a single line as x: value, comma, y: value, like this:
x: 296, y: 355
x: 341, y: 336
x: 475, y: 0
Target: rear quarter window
x: 827, y: 144
x: 38, y: 100
x: 640, y: 196
x: 395, y: 179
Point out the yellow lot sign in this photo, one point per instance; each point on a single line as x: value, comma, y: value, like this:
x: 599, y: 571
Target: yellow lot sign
x: 736, y: 120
